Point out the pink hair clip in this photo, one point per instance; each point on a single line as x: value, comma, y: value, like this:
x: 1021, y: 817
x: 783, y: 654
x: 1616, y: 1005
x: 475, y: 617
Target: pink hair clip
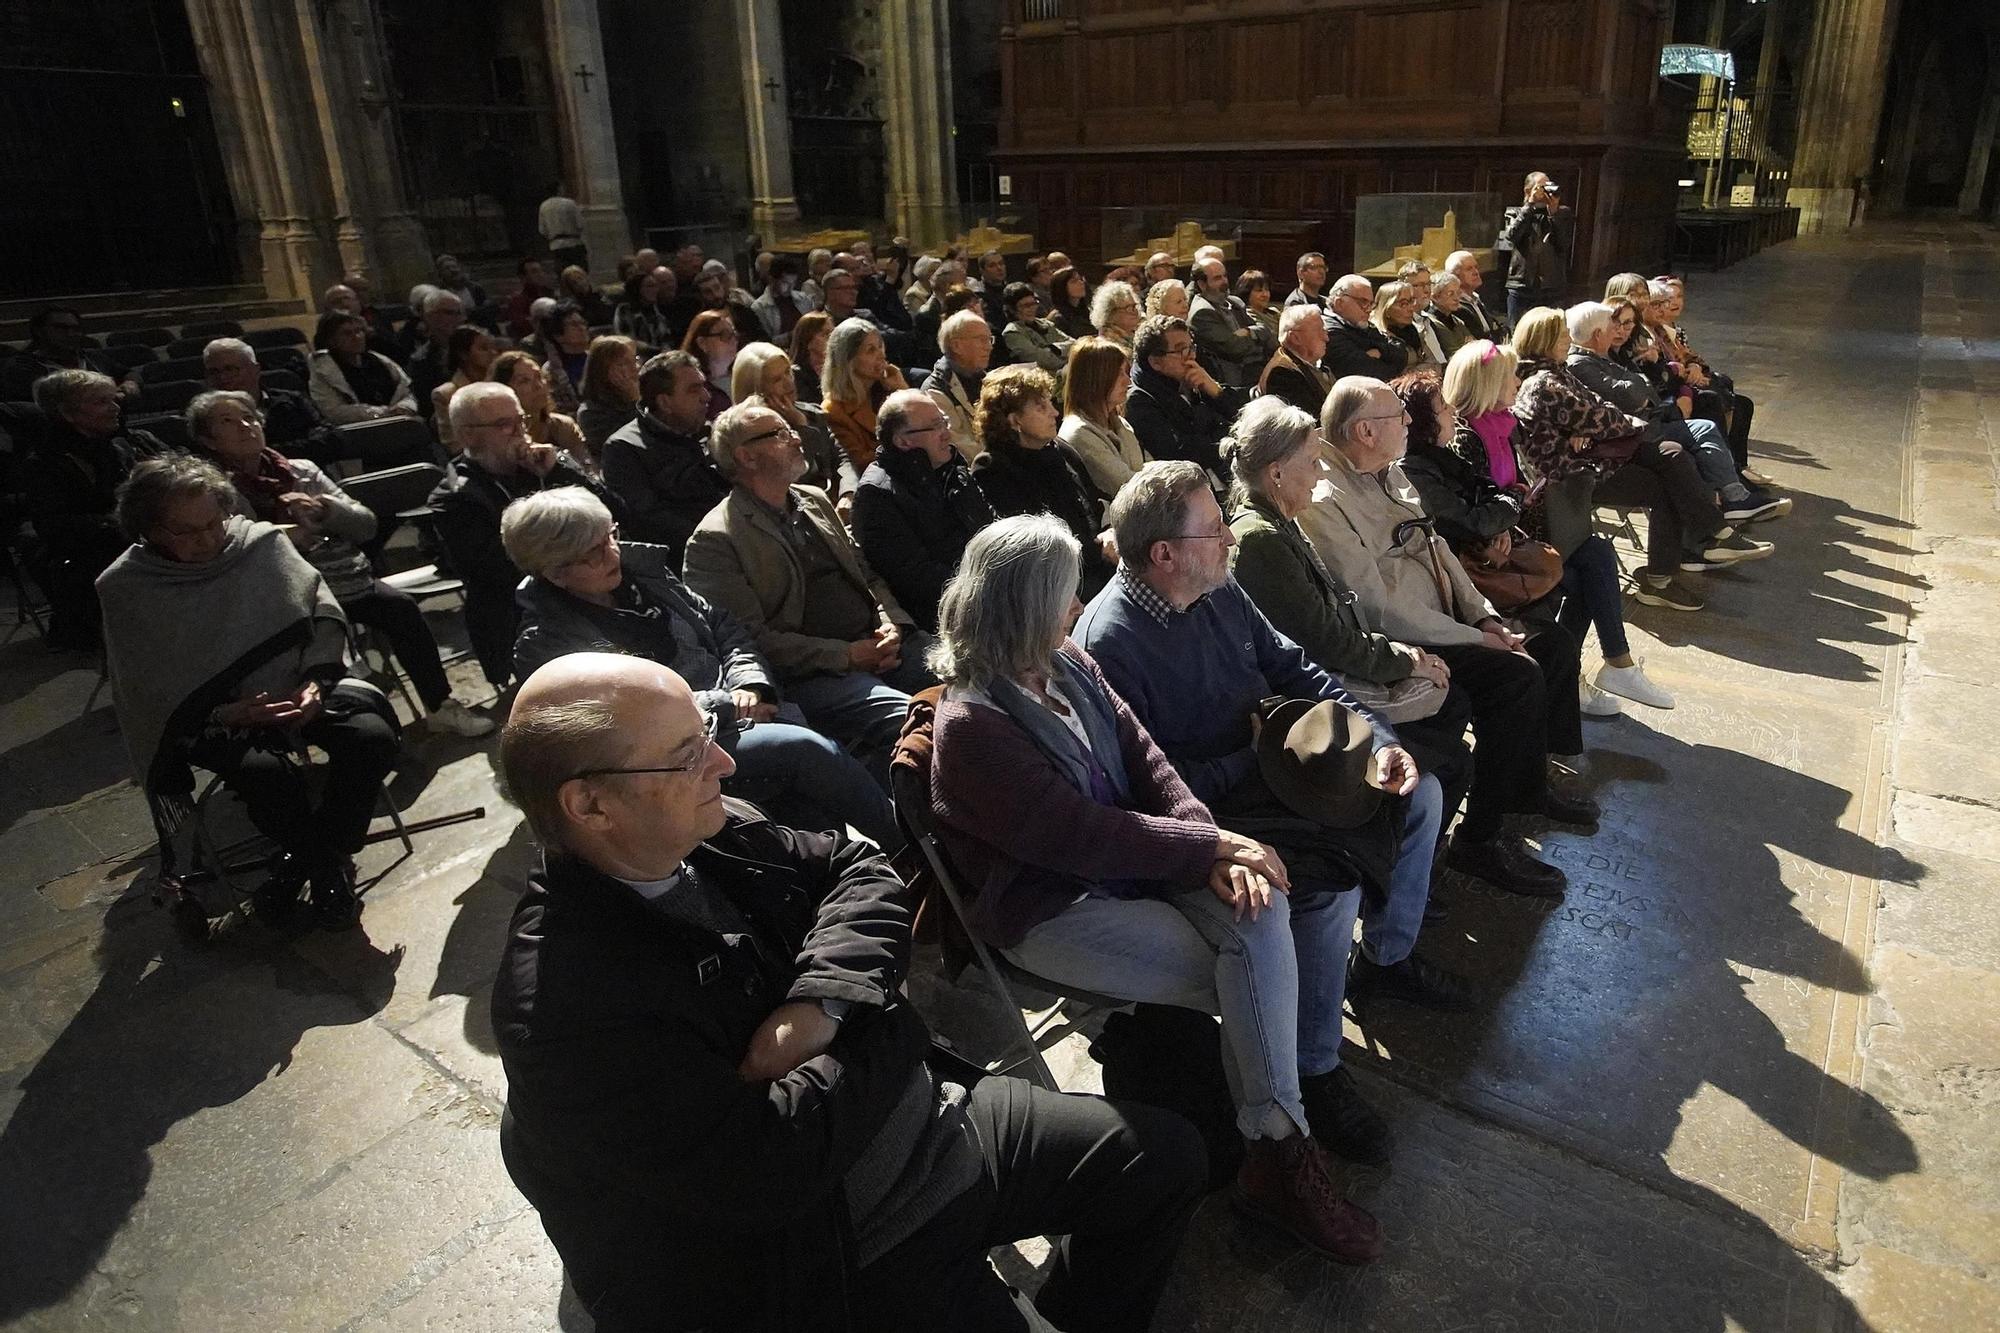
x: 1492, y: 349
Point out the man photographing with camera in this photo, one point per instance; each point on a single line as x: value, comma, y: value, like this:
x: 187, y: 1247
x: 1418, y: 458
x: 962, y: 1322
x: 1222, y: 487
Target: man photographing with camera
x: 1540, y: 233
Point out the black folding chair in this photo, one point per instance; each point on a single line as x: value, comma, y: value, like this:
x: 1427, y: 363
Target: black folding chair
x: 910, y: 788
x: 389, y: 437
x: 169, y: 397
x: 283, y: 336
x: 186, y: 347
x: 212, y: 328
x: 128, y: 356
x: 284, y: 379
x: 153, y: 337
x: 289, y: 359
x: 177, y: 368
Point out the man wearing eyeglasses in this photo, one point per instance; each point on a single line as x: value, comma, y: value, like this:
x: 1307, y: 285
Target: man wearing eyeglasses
x: 1353, y: 345
x: 658, y: 464
x: 1176, y: 408
x: 1368, y: 525
x: 498, y: 465
x: 720, y: 1104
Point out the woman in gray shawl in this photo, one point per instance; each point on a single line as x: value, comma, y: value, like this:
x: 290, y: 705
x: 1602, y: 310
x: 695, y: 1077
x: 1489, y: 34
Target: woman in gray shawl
x: 227, y: 652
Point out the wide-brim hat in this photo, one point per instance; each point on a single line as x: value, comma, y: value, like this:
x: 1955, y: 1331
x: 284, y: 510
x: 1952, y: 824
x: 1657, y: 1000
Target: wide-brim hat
x: 1314, y: 755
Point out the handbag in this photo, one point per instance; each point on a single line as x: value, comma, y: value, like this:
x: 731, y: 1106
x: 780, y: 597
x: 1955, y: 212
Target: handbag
x: 1409, y: 700
x: 1531, y: 572
x: 1567, y: 509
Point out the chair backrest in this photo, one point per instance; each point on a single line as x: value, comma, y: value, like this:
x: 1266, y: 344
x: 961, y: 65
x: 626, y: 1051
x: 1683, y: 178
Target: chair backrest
x: 183, y: 347
x: 180, y: 368
x: 291, y: 359
x: 394, y: 490
x: 395, y: 314
x: 170, y: 428
x: 212, y: 328
x: 153, y: 337
x: 289, y: 380
x: 388, y: 437
x: 170, y: 396
x: 126, y: 356
x: 283, y: 336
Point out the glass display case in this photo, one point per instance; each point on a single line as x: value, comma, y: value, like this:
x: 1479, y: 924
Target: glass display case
x: 1392, y: 228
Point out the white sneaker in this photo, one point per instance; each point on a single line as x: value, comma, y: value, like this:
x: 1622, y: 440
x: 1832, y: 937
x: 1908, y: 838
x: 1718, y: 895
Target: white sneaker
x: 1631, y: 683
x: 1596, y: 703
x: 456, y: 718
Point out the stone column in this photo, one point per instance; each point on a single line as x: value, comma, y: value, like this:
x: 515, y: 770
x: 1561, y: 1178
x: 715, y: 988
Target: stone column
x: 1840, y: 108
x: 1978, y: 157
x: 767, y: 121
x: 583, y: 114
x: 916, y: 87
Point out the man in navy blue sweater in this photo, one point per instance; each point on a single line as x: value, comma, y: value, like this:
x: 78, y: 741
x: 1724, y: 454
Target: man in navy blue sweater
x: 1193, y: 656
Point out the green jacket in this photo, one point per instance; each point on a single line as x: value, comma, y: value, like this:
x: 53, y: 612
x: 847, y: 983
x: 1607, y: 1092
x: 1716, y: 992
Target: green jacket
x: 1277, y: 566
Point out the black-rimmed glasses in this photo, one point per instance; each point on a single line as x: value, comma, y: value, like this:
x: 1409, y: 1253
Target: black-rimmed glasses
x: 712, y: 734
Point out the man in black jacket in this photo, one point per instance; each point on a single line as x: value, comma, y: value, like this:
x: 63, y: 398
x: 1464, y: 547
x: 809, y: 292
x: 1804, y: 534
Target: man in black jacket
x: 1538, y: 235
x: 1176, y: 408
x: 1294, y: 374
x: 658, y: 463
x: 497, y: 466
x: 917, y: 504
x: 1353, y: 345
x: 716, y: 1096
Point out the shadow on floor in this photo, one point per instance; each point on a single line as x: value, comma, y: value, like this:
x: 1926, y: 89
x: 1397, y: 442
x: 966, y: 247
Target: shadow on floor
x: 166, y: 1032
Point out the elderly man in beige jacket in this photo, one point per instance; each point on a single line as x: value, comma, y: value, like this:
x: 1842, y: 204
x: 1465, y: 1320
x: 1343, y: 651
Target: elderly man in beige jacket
x: 1368, y: 525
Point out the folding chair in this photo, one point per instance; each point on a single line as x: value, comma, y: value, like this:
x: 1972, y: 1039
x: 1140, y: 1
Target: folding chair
x: 387, y: 437
x: 212, y: 328
x: 185, y: 347
x: 130, y: 356
x: 152, y: 337
x: 177, y: 368
x: 283, y: 336
x: 910, y: 788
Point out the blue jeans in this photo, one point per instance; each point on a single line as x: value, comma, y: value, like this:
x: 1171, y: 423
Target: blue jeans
x: 1592, y: 595
x: 865, y: 712
x: 1277, y: 982
x: 1389, y: 932
x: 807, y: 780
x: 1705, y: 441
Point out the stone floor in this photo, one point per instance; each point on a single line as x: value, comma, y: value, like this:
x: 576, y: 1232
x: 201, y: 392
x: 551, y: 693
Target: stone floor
x: 1747, y: 1076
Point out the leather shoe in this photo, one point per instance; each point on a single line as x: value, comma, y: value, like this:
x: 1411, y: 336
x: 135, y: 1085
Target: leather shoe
x: 1342, y: 1123
x: 1284, y: 1183
x: 1569, y: 807
x: 1414, y: 980
x: 1505, y: 864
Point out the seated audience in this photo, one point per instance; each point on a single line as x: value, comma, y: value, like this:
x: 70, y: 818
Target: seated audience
x: 858, y: 377
x: 1159, y: 269
x: 1442, y: 315
x: 452, y: 277
x: 71, y: 480
x: 574, y: 284
x: 687, y: 302
x: 1187, y: 650
x: 496, y: 465
x: 1293, y: 373
x: 917, y: 504
x: 1030, y: 339
x: 608, y: 397
x: 882, y: 286
x: 1114, y: 313
x: 1036, y: 275
x: 716, y: 289
x: 764, y: 372
x: 469, y: 356
x: 1634, y: 348
x: 1069, y: 302
x: 1568, y: 432
x: 1368, y: 526
x: 1396, y: 314
x: 953, y: 383
x: 781, y: 304
x: 586, y: 591
x: 226, y: 651
x: 1592, y: 332
x: 566, y: 340
x: 1176, y: 408
x: 789, y: 1108
x: 350, y: 297
x: 643, y: 316
x: 1169, y: 299
x: 1095, y: 430
x: 1717, y: 398
x: 819, y: 262
x: 807, y: 349
x: 775, y: 555
x: 1354, y: 346
x: 534, y: 344
x: 658, y: 464
x: 522, y: 373
x: 1311, y: 270
x: 291, y: 423
x: 993, y: 288
x: 919, y: 291
x: 1023, y: 469
x: 1253, y: 289
x: 55, y: 342
x: 929, y: 317
x: 329, y: 527
x: 427, y: 344
x: 1091, y: 862
x: 711, y: 341
x: 350, y: 383
x: 1479, y: 322
x: 1232, y: 346
x: 518, y: 319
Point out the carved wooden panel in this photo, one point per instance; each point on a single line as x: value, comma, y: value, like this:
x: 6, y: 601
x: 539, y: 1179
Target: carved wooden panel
x: 1329, y: 54
x: 1130, y: 69
x: 1413, y: 53
x: 1267, y: 61
x: 1205, y: 67
x: 1041, y: 75
x: 1545, y: 45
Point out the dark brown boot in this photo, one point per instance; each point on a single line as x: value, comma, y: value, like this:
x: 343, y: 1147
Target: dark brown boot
x: 1284, y: 1183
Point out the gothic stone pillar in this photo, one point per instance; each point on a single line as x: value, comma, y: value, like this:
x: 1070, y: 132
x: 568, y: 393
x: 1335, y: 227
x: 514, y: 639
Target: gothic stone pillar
x: 1840, y: 108
x: 583, y: 112
x: 760, y: 41
x: 916, y: 85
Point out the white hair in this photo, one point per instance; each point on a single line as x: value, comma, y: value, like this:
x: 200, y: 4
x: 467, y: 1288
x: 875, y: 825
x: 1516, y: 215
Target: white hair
x: 1294, y: 316
x: 420, y: 294
x: 466, y: 401
x: 228, y: 346
x: 553, y: 528
x: 1111, y: 297
x: 436, y: 297
x: 542, y: 307
x: 1586, y: 318
x: 958, y: 323
x: 1350, y: 279
x: 1659, y: 289
x: 1457, y: 259
x: 924, y: 266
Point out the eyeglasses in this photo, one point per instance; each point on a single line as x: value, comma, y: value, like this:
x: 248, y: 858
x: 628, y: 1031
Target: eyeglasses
x: 520, y: 420
x: 712, y: 733
x: 1403, y: 415
x: 781, y: 433
x: 1201, y: 536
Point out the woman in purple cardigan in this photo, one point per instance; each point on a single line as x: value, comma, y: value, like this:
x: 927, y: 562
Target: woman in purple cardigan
x: 1091, y: 862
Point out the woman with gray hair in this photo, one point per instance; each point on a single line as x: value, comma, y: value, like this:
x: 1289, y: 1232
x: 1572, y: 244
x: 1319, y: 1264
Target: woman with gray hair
x: 329, y: 527
x: 1091, y: 863
x: 1114, y: 313
x: 586, y: 591
x: 227, y: 650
